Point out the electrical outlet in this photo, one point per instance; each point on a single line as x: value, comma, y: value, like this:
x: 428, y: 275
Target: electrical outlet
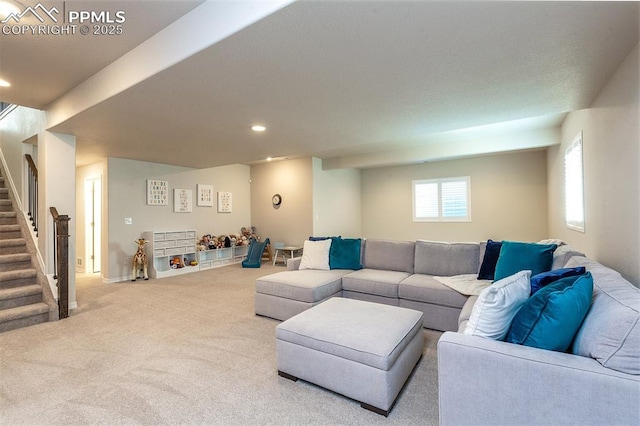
x: 128, y: 221
x: 79, y: 261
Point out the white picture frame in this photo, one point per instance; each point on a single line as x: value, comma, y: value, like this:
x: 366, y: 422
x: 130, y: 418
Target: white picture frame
x: 225, y: 202
x: 205, y: 195
x: 182, y: 200
x: 157, y: 192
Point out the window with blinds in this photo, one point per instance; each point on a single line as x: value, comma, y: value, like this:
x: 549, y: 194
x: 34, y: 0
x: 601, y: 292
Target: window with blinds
x: 574, y: 185
x: 442, y: 200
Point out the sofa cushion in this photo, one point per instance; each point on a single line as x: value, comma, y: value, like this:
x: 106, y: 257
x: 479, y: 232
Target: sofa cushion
x: 496, y: 306
x: 517, y: 256
x: 545, y: 278
x: 373, y: 281
x: 425, y: 288
x: 551, y: 317
x: 611, y: 331
x: 315, y: 254
x: 465, y: 313
x: 446, y: 259
x: 489, y: 260
x: 562, y: 255
x: 345, y: 253
x: 306, y: 286
x: 389, y: 255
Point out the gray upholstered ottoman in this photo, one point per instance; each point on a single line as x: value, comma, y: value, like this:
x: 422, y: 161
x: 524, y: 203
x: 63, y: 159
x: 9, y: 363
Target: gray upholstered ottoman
x: 363, y: 350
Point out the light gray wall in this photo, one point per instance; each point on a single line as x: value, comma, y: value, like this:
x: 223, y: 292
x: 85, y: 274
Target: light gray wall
x: 508, y: 199
x: 611, y: 141
x: 291, y: 222
x: 126, y: 198
x: 337, y: 201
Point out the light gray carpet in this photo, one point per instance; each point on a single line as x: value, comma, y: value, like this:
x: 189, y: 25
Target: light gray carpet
x: 181, y: 350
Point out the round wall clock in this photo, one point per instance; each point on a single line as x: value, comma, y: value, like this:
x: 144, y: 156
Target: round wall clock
x: 276, y: 199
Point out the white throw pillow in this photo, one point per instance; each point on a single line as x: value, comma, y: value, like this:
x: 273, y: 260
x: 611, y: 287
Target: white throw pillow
x: 496, y: 306
x: 315, y: 255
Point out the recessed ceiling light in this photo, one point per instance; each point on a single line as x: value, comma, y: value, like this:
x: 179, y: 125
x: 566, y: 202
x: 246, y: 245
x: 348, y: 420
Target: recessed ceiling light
x: 4, y: 83
x: 269, y: 158
x: 258, y: 128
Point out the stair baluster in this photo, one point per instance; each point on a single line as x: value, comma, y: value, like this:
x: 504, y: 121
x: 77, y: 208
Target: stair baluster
x: 33, y: 192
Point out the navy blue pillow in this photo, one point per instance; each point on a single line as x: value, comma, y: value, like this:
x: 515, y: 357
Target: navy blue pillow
x: 322, y: 238
x: 490, y: 259
x: 545, y: 278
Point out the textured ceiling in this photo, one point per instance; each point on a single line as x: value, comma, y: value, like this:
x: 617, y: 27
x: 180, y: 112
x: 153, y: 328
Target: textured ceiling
x: 336, y: 79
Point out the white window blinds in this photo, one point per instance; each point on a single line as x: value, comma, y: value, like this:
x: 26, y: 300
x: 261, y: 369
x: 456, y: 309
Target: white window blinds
x: 574, y: 185
x: 443, y: 200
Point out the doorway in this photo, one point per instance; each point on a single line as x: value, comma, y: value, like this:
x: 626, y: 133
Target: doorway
x: 93, y: 223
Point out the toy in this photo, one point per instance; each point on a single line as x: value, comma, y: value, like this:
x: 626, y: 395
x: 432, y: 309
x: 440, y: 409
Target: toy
x: 176, y: 263
x: 139, y: 261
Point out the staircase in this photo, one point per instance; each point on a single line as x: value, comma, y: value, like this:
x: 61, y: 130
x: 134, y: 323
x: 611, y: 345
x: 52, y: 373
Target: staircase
x: 25, y: 297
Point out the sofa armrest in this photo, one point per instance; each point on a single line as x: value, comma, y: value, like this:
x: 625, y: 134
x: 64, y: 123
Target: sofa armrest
x: 487, y: 382
x: 294, y: 263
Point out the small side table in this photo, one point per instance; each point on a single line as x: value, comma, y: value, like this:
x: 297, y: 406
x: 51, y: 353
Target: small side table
x: 291, y: 249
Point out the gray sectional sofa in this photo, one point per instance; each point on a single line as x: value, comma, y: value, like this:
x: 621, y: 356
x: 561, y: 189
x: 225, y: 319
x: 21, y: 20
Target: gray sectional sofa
x: 484, y: 381
x: 398, y: 273
x: 596, y: 382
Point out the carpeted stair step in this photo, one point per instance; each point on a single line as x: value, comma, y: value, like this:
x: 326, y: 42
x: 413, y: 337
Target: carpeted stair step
x: 8, y: 232
x: 8, y: 218
x: 4, y: 193
x: 12, y: 246
x: 23, y: 316
x: 11, y: 262
x: 6, y: 206
x: 20, y: 296
x: 17, y: 278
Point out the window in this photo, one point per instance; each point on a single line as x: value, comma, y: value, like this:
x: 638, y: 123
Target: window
x: 574, y: 185
x: 442, y: 200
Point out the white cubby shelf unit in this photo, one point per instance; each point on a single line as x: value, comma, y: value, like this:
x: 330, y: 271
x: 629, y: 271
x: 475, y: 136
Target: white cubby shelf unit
x: 215, y: 258
x: 167, y: 245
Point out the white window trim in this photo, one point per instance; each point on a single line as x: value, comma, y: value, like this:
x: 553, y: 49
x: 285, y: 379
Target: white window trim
x: 574, y: 192
x: 439, y: 182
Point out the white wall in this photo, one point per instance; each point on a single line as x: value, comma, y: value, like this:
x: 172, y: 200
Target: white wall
x: 18, y: 126
x: 56, y: 184
x: 611, y: 158
x: 508, y: 199
x: 337, y: 201
x: 126, y: 198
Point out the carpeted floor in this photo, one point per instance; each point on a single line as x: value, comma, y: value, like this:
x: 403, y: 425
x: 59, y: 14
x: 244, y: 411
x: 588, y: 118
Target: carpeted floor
x: 181, y: 350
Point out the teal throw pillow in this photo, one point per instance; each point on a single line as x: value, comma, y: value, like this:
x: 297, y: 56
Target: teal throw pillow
x: 551, y: 317
x: 515, y: 257
x: 345, y: 253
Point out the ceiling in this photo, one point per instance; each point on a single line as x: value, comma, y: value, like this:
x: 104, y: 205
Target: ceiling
x: 334, y: 80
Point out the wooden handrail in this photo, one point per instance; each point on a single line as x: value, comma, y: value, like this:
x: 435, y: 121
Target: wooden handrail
x: 32, y: 166
x: 61, y: 252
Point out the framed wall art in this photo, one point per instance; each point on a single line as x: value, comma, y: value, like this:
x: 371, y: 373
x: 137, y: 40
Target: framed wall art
x: 224, y: 202
x: 182, y: 200
x: 205, y: 195
x: 157, y: 192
